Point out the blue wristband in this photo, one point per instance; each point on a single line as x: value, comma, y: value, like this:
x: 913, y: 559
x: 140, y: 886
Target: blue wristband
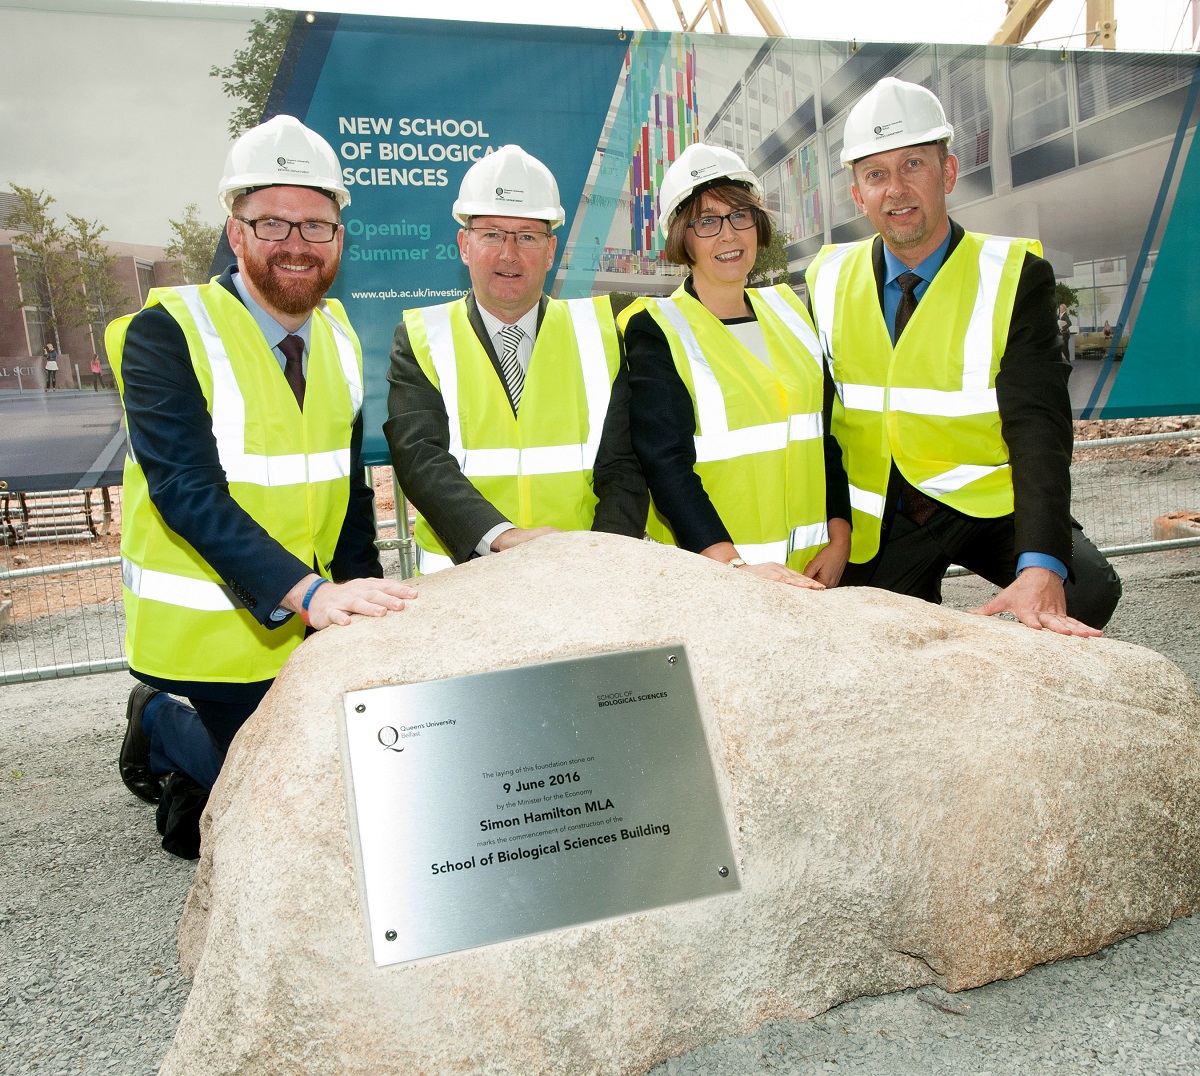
x: 308, y: 595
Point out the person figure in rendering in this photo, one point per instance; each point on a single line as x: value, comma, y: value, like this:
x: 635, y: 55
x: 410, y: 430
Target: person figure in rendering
x: 51, y: 365
x: 247, y: 519
x: 952, y: 408
x: 508, y: 413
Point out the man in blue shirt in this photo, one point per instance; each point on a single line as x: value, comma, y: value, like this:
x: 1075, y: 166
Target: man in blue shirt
x: 1050, y: 575
x: 224, y: 549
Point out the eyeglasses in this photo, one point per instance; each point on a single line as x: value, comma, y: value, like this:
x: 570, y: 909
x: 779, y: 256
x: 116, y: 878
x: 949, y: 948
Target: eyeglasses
x: 497, y: 237
x: 274, y: 230
x: 739, y: 220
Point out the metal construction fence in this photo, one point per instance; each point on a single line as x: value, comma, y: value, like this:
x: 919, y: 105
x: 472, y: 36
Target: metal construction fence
x: 60, y: 580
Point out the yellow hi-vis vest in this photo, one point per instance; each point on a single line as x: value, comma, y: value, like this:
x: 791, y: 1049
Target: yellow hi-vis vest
x: 290, y: 474
x: 929, y: 403
x: 759, y: 432
x: 534, y: 467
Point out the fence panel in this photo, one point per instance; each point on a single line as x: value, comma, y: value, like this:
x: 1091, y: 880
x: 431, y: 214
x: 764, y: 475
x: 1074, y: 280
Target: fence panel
x: 60, y: 575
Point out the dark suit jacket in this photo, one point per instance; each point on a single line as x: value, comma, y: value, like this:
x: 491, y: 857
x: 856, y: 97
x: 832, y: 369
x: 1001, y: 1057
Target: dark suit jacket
x: 170, y: 435
x: 418, y: 435
x: 663, y: 420
x: 1035, y: 409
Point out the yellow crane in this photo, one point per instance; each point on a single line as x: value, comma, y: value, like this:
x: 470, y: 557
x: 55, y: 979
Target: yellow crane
x: 715, y: 10
x: 1022, y: 14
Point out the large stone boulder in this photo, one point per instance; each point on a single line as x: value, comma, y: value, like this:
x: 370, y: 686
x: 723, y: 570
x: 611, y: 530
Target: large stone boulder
x: 914, y: 796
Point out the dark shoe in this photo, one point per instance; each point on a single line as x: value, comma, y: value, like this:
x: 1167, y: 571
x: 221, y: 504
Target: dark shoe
x: 134, y: 760
x: 178, y: 815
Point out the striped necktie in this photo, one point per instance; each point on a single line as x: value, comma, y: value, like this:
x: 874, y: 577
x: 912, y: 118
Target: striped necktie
x: 514, y: 376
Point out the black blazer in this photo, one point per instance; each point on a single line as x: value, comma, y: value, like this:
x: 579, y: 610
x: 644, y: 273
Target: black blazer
x: 418, y: 436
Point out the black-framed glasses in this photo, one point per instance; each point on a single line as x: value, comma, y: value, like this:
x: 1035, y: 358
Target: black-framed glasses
x: 497, y: 237
x: 275, y: 230
x: 711, y: 224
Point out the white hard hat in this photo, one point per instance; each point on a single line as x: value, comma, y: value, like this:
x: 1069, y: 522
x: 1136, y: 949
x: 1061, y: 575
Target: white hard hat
x: 698, y: 166
x: 281, y: 152
x: 893, y: 114
x: 509, y: 183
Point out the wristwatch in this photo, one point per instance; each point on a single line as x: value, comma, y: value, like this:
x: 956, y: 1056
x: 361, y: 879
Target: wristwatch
x: 737, y: 562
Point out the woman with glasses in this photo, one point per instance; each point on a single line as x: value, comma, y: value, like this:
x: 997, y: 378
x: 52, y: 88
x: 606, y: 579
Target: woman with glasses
x: 728, y: 392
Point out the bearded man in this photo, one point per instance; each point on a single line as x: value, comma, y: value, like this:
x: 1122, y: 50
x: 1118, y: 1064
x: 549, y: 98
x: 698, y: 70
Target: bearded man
x: 247, y: 518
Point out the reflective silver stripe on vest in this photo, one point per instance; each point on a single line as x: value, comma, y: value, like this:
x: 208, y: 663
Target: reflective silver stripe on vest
x: 347, y: 357
x: 825, y: 295
x: 977, y: 349
x: 860, y: 397
x: 863, y: 500
x: 428, y: 563
x: 540, y: 459
x: 777, y: 552
x: 798, y: 327
x: 229, y: 415
x: 710, y: 401
x: 176, y: 589
x: 958, y: 477
x: 718, y: 441
x: 440, y: 336
x: 943, y: 404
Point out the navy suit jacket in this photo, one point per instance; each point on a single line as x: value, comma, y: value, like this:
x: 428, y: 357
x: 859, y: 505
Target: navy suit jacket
x: 170, y: 435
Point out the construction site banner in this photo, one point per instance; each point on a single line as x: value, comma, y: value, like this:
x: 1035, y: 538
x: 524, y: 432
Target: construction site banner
x: 115, y: 165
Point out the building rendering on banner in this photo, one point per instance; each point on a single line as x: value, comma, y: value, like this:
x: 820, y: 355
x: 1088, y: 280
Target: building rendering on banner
x: 24, y: 329
x: 1065, y: 147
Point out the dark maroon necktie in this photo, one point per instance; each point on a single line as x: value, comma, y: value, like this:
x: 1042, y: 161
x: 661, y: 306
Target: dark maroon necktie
x: 908, y: 300
x: 293, y: 350
x: 914, y: 505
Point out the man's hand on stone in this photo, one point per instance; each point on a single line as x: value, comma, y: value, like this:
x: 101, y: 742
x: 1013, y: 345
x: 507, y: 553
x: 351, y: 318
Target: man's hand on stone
x: 516, y: 535
x: 1037, y: 599
x: 332, y: 603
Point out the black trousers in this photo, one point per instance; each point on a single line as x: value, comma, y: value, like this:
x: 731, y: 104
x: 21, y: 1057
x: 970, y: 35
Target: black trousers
x: 915, y: 557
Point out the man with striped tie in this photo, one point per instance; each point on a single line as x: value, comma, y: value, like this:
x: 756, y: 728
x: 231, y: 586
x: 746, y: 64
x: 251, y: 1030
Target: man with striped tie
x: 952, y: 408
x: 508, y: 414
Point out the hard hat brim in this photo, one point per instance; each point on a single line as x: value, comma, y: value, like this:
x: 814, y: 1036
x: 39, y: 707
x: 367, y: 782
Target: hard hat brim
x: 851, y: 154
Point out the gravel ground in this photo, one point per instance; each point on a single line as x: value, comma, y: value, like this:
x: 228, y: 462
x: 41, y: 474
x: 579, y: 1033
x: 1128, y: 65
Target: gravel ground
x: 89, y: 981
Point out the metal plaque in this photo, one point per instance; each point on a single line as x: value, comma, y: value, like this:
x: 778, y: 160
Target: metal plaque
x: 508, y: 803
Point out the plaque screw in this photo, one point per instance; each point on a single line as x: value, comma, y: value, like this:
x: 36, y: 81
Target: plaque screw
x: 360, y: 709
x: 672, y: 659
x: 391, y: 934
x: 722, y: 871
